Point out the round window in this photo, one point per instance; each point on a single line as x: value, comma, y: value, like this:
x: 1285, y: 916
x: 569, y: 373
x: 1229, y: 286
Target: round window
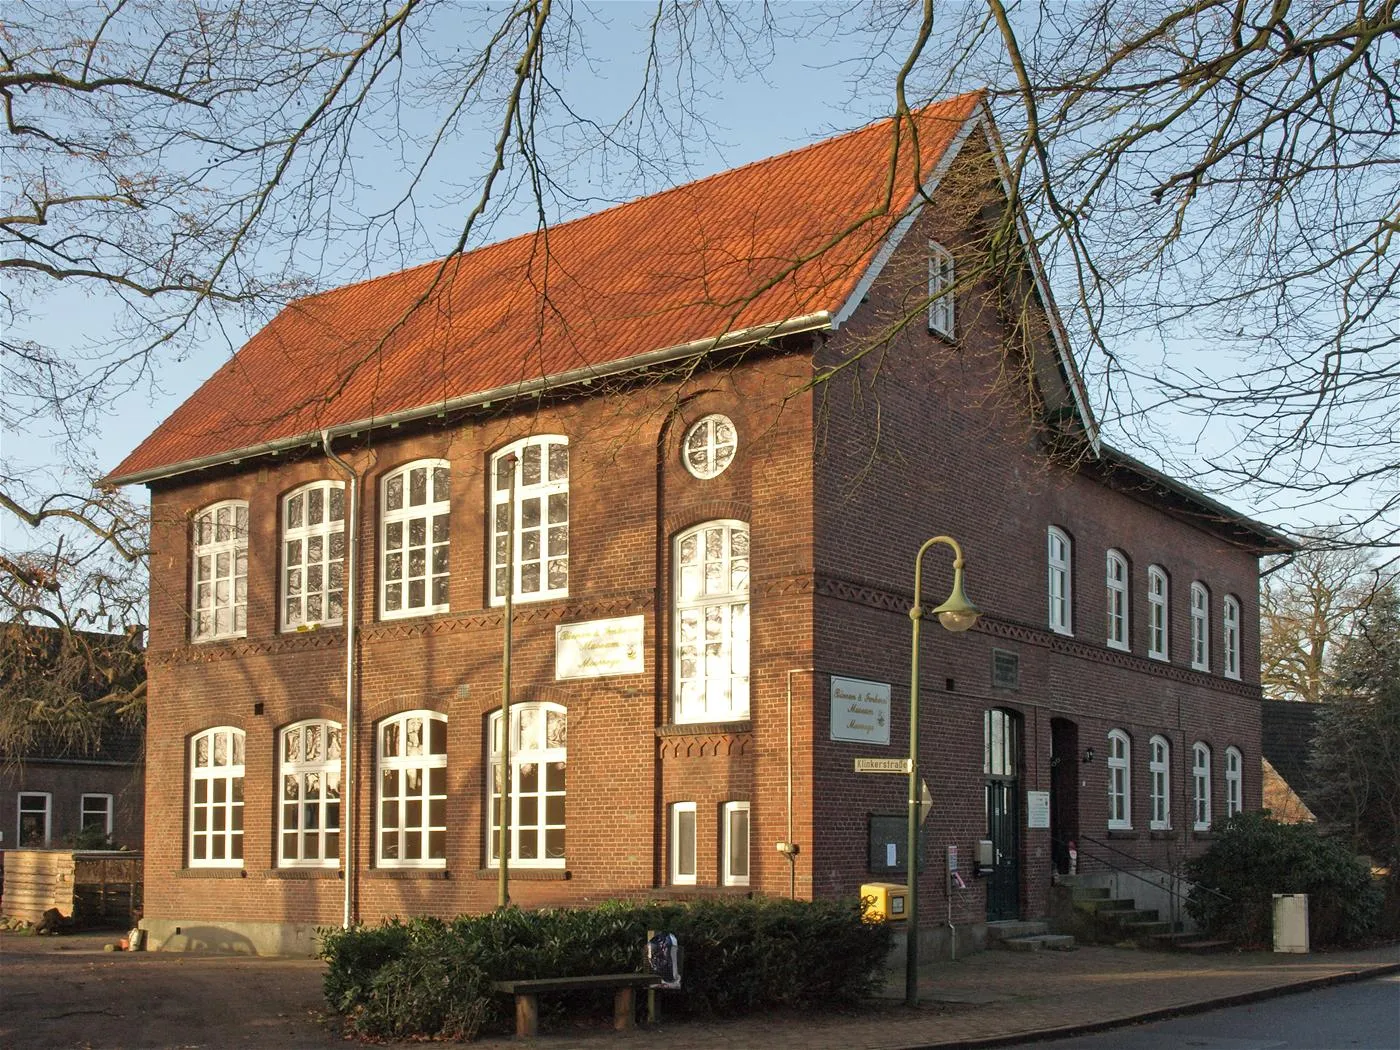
x: 709, y: 446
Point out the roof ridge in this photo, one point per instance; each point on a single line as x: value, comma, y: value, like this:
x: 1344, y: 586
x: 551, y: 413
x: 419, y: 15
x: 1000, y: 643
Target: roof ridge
x: 723, y: 173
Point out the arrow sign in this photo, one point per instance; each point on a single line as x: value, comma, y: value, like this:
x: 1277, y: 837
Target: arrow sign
x: 882, y: 765
x: 925, y: 803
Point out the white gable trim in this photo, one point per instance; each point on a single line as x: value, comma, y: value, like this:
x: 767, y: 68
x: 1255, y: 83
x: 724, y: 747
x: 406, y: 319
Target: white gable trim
x: 895, y: 237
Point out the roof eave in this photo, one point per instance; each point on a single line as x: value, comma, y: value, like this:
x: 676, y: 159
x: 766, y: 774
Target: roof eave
x: 813, y: 322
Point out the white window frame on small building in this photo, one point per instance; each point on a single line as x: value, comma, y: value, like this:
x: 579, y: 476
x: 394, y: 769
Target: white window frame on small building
x: 1120, y: 781
x: 1230, y: 636
x: 1158, y: 613
x: 1200, y: 779
x: 1234, y: 781
x: 313, y: 556
x: 541, y: 519
x: 219, y: 572
x: 216, y: 798
x: 1116, y: 583
x: 942, y: 277
x: 1159, y: 779
x: 539, y: 755
x: 32, y: 803
x: 308, y: 829
x: 87, y: 810
x: 735, y: 856
x: 710, y: 622
x: 709, y: 446
x: 1059, y: 555
x: 684, y: 852
x: 410, y: 755
x: 415, y: 539
x: 1200, y: 626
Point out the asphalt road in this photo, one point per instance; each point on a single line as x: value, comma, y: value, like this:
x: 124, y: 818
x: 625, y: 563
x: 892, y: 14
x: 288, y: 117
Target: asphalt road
x: 1364, y: 1015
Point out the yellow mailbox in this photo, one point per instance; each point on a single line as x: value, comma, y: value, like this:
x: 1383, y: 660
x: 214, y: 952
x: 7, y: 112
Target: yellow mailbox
x: 891, y: 899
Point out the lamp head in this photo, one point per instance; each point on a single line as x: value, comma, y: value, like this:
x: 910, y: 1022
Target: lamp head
x: 957, y: 614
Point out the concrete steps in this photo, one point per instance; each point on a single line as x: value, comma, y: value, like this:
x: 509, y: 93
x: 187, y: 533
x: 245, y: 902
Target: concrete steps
x: 1093, y: 913
x: 1020, y: 936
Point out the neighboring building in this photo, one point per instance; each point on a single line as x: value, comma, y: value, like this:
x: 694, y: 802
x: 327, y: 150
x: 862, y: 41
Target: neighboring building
x: 85, y: 790
x: 711, y: 561
x: 1286, y: 741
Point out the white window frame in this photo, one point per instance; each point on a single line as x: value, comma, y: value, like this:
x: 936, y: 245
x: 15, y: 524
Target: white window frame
x: 1200, y: 784
x: 1159, y: 781
x: 429, y: 769
x: 306, y: 805
x: 436, y: 515
x: 211, y: 542
x: 1120, y: 780
x: 1234, y: 781
x: 21, y: 811
x: 108, y: 803
x: 1200, y: 626
x: 541, y: 537
x: 222, y: 817
x: 1230, y: 636
x: 729, y: 855
x: 709, y: 446
x: 680, y: 861
x: 547, y: 762
x: 328, y: 567
x: 1059, y: 555
x: 700, y: 692
x: 1116, y: 584
x: 941, y: 281
x: 1158, y: 613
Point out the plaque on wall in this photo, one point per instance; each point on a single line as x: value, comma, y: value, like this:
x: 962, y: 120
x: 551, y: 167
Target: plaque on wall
x: 594, y: 648
x: 860, y: 710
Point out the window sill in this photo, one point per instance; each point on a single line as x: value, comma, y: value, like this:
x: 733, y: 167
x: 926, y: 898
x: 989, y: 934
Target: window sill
x: 303, y: 874
x: 1123, y: 834
x: 1163, y: 835
x: 408, y: 873
x: 681, y: 893
x: 1119, y: 647
x: 211, y: 873
x: 527, y: 874
x: 744, y: 725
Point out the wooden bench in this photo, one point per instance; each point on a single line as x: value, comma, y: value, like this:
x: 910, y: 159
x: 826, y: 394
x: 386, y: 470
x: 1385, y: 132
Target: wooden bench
x: 527, y: 1009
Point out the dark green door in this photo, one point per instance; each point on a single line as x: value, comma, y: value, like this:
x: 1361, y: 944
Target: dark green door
x: 1001, y: 762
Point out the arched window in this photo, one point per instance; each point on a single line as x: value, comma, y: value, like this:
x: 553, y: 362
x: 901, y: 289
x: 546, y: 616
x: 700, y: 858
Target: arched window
x: 538, y: 767
x: 1158, y: 622
x: 1159, y: 767
x: 541, y: 518
x: 415, y: 537
x: 216, y: 798
x: 1120, y: 780
x: 219, y: 564
x: 411, y: 757
x: 1059, y: 560
x: 1200, y: 780
x: 313, y: 555
x: 1234, y: 781
x: 309, y: 820
x: 1230, y: 635
x: 1116, y: 579
x: 1200, y: 627
x: 711, y: 623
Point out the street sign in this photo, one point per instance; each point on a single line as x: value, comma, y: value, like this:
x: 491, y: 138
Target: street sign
x: 882, y: 765
x: 925, y: 803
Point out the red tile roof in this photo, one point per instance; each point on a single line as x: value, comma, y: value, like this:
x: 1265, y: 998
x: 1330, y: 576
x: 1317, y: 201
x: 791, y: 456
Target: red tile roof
x: 766, y: 243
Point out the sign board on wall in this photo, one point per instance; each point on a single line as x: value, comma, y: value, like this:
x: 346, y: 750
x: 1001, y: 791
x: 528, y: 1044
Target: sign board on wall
x: 594, y: 648
x: 1037, y: 809
x: 860, y: 710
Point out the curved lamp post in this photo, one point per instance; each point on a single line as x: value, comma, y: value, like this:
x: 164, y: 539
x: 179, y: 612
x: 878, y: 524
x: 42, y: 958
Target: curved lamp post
x: 957, y: 614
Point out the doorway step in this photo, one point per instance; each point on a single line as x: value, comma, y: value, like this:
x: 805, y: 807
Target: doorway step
x: 1019, y: 936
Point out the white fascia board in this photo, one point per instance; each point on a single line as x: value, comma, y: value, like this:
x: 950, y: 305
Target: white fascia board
x: 896, y: 236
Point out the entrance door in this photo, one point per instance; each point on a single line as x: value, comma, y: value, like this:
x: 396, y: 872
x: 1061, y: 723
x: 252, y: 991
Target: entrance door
x: 1002, y: 764
x: 1064, y: 790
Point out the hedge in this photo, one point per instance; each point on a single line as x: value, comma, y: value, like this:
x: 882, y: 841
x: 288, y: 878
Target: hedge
x: 428, y: 977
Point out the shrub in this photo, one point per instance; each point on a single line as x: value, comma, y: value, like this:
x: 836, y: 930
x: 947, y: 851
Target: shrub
x: 428, y: 977
x: 1254, y: 856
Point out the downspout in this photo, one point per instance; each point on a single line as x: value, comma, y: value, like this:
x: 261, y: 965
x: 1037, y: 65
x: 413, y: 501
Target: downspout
x: 347, y: 750
x: 790, y: 850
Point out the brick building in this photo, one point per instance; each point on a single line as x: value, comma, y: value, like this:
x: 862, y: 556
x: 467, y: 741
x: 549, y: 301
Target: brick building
x: 710, y: 558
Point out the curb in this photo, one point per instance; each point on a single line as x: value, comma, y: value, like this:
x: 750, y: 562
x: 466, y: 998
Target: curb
x: 1163, y: 1013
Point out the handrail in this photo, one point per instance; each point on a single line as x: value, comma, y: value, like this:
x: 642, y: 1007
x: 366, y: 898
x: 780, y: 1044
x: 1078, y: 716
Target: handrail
x: 1171, y: 891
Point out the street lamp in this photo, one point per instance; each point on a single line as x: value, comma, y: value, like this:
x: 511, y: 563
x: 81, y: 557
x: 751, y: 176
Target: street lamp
x: 957, y: 614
